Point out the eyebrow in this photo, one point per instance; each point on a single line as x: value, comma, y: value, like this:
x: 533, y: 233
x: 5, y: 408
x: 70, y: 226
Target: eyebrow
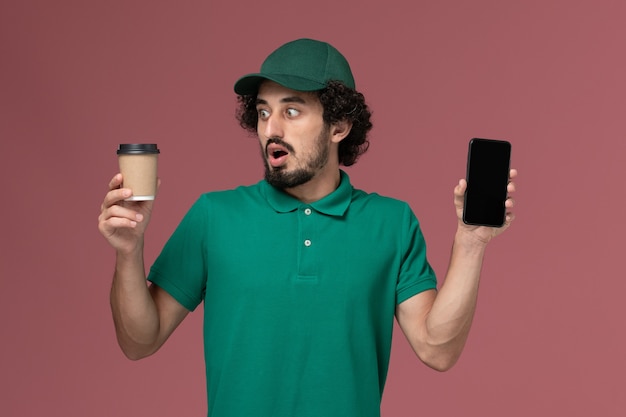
x: 291, y: 99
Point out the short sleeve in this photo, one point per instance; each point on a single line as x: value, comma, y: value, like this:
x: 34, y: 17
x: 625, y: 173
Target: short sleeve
x: 181, y: 267
x: 416, y: 275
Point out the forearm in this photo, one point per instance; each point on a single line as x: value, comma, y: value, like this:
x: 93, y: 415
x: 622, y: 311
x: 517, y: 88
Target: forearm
x: 437, y: 323
x: 448, y: 322
x: 134, y: 311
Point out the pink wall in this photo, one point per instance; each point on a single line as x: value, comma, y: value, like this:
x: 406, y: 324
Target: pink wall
x: 79, y: 77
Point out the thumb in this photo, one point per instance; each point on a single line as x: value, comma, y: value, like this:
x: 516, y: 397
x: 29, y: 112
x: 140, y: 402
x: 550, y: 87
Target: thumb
x: 461, y: 187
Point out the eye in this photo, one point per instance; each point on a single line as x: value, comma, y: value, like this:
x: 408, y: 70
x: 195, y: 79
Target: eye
x: 263, y: 114
x: 291, y: 112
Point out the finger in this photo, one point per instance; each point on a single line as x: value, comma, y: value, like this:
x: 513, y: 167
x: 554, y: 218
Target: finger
x: 108, y: 227
x: 116, y: 218
x: 459, y: 190
x: 510, y: 187
x: 512, y: 173
x: 115, y: 196
x: 509, y: 203
x: 122, y: 212
x: 509, y: 218
x: 459, y: 193
x: 115, y: 182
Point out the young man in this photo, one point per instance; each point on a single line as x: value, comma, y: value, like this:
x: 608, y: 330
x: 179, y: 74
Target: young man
x: 301, y: 274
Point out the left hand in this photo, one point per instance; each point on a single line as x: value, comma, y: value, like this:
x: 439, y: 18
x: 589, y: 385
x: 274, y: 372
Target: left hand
x: 484, y: 233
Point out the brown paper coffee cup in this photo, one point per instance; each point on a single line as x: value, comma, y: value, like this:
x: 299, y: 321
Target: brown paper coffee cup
x: 138, y: 165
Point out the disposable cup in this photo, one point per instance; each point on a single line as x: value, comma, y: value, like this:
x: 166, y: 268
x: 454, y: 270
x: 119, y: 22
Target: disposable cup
x: 138, y: 165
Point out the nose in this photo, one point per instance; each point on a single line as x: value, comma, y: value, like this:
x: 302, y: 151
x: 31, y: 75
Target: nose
x: 272, y: 127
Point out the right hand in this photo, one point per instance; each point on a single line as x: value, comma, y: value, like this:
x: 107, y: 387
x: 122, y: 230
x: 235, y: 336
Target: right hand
x: 123, y: 223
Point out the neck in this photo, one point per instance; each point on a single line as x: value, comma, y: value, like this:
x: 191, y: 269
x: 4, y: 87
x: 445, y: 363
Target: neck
x: 319, y: 187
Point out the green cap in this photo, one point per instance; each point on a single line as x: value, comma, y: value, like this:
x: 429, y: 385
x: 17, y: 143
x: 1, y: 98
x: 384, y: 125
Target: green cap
x: 302, y: 65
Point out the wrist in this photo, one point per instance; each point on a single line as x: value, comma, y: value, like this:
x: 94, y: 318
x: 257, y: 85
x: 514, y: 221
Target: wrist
x: 131, y: 252
x: 470, y: 241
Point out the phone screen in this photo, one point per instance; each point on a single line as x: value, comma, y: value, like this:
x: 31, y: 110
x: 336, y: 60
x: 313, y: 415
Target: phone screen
x: 488, y: 163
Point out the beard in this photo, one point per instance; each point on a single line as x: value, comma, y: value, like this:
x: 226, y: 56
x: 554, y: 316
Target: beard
x: 282, y: 178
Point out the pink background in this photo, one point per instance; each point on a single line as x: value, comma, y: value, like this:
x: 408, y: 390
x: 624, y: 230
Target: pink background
x: 79, y: 77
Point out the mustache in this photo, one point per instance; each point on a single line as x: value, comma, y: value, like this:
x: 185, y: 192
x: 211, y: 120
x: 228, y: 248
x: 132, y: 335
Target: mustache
x: 279, y: 141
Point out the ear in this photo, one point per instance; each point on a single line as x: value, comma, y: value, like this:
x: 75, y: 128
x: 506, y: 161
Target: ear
x: 340, y: 130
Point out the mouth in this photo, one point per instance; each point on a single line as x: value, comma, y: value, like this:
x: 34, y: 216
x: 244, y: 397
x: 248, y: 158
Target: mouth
x: 277, y: 154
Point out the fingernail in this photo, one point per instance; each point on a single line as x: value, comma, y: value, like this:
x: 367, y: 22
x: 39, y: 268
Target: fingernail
x: 126, y: 193
x: 139, y: 217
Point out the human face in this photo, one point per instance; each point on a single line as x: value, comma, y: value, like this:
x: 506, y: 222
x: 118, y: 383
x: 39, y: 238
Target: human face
x: 295, y: 141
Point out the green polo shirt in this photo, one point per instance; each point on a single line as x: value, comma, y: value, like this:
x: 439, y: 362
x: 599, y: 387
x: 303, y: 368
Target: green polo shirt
x: 299, y: 299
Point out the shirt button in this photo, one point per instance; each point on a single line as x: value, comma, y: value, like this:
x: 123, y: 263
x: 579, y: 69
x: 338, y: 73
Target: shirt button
x: 307, y: 211
x: 307, y: 242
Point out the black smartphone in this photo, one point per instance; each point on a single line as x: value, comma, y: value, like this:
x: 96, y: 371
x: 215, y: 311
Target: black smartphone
x: 488, y: 162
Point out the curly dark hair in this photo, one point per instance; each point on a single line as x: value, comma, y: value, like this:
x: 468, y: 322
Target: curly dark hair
x: 340, y: 103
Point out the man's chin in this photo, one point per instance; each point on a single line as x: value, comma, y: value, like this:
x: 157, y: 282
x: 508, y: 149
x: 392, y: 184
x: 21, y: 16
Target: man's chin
x: 279, y: 177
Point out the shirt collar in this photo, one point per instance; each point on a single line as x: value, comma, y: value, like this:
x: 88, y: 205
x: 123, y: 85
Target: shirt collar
x: 334, y: 204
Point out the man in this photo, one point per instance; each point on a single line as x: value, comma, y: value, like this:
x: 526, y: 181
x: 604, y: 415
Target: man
x: 301, y: 275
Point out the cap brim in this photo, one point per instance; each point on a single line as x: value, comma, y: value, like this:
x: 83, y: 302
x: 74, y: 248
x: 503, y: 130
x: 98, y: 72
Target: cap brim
x: 249, y: 84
